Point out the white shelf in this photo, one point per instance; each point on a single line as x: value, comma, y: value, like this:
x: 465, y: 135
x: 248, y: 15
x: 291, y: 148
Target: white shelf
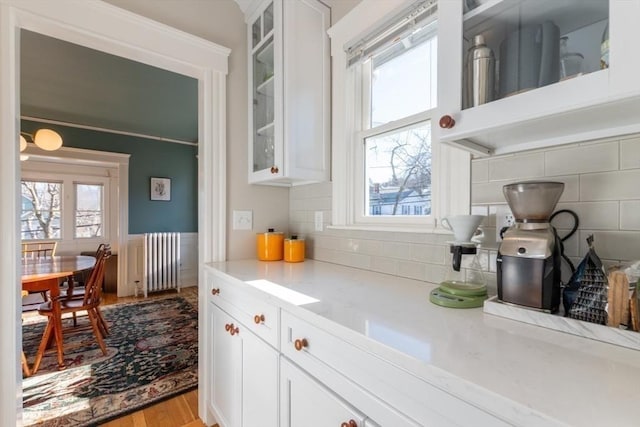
x: 494, y: 18
x: 266, y: 87
x: 266, y: 130
x: 265, y: 55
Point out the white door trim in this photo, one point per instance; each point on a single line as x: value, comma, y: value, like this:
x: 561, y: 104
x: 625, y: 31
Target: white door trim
x: 107, y: 28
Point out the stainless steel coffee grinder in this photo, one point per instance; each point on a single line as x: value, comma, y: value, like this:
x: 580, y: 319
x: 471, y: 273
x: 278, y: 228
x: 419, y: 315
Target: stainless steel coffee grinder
x: 529, y: 257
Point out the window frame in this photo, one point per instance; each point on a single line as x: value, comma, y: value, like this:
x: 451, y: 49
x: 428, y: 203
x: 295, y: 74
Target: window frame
x: 51, y: 180
x: 451, y: 167
x: 103, y: 208
x: 68, y: 202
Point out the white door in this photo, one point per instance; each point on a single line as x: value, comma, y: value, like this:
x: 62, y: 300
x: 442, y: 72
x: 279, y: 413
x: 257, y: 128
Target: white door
x: 305, y: 402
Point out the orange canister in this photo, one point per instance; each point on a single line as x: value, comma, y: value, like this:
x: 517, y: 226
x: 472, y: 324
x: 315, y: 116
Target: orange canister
x: 269, y: 245
x: 294, y: 249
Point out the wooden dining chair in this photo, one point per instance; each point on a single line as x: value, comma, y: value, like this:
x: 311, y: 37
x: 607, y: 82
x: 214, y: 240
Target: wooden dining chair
x: 73, y: 291
x: 37, y: 250
x: 89, y: 303
x: 34, y: 250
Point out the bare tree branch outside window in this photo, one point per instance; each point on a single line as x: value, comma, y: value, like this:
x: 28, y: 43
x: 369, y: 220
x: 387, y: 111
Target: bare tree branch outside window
x: 398, y: 168
x: 41, y: 203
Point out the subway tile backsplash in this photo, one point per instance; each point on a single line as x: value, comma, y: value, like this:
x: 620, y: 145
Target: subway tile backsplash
x: 602, y: 185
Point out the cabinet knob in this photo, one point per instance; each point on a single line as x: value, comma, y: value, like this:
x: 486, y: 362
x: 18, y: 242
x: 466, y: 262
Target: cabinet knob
x: 300, y: 344
x: 274, y: 169
x: 234, y: 330
x: 215, y: 291
x: 227, y: 327
x: 258, y: 318
x: 447, y: 122
x: 350, y: 423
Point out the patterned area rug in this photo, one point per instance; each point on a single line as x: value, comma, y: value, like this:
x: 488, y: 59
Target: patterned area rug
x: 152, y: 355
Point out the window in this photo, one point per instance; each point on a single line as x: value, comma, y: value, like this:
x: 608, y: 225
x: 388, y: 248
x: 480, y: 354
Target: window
x: 66, y: 202
x: 398, y: 94
x: 41, y: 210
x: 389, y: 170
x: 88, y: 210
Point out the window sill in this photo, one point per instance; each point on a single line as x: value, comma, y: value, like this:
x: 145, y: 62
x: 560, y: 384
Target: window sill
x: 392, y: 228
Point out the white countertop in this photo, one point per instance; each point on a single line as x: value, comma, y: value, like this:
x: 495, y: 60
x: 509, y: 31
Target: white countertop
x: 552, y: 377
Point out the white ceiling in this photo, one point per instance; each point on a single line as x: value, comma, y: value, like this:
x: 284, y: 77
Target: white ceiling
x: 70, y: 83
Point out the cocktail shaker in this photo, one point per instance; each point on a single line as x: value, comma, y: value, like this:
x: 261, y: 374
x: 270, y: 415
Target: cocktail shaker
x: 479, y: 87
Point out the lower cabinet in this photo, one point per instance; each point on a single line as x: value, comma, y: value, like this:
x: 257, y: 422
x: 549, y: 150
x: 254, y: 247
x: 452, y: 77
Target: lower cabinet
x: 244, y: 374
x: 306, y: 402
x: 268, y: 367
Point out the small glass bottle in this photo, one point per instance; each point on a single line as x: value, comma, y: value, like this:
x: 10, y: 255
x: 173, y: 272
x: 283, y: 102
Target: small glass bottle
x: 604, y: 49
x: 570, y: 62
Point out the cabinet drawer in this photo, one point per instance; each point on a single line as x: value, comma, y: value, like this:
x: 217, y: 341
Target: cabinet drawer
x: 334, y: 362
x: 258, y: 316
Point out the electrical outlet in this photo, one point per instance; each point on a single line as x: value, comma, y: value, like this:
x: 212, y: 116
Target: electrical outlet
x: 242, y: 220
x: 504, y: 218
x: 319, y: 219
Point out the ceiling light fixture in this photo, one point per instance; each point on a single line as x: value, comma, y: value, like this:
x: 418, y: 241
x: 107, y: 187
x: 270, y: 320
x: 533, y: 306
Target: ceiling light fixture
x: 46, y: 139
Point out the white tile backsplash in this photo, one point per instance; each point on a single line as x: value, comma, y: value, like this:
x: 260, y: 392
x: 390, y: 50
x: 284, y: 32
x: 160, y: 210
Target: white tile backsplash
x: 602, y: 185
x: 618, y: 185
x: 582, y: 159
x: 412, y: 269
x: 516, y: 167
x: 480, y: 171
x: 612, y: 245
x: 630, y: 215
x: 591, y: 215
x: 630, y: 153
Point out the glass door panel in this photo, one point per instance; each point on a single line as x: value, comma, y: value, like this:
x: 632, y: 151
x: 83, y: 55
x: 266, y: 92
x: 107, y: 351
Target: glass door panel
x: 513, y: 46
x: 263, y: 106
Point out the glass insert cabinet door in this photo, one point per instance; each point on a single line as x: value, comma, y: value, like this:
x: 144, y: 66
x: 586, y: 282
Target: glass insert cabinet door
x: 263, y: 90
x: 513, y: 46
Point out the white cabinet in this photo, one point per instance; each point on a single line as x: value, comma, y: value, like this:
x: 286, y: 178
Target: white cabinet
x: 267, y: 367
x: 305, y: 402
x: 386, y: 394
x: 226, y: 370
x: 535, y: 103
x: 244, y: 374
x: 289, y: 84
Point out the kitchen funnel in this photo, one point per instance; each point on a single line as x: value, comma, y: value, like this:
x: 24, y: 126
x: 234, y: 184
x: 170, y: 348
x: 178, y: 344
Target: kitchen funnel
x: 533, y: 201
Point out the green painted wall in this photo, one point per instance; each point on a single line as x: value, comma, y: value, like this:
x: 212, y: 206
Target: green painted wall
x: 149, y: 158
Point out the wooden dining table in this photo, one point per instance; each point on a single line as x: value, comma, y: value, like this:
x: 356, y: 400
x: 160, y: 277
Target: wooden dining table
x: 43, y: 275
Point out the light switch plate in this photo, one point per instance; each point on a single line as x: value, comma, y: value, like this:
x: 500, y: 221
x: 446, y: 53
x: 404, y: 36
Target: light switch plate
x: 242, y: 220
x: 318, y: 220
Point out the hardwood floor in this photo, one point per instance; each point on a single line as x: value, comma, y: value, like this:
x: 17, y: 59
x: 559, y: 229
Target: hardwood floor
x: 180, y: 411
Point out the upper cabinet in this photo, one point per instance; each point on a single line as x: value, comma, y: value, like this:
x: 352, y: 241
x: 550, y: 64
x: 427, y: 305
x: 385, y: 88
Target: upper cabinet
x: 524, y: 74
x: 289, y: 80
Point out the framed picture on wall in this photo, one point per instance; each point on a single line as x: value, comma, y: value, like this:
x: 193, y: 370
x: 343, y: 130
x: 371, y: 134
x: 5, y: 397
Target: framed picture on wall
x: 161, y: 189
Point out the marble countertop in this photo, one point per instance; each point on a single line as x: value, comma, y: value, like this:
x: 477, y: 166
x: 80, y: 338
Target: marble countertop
x: 526, y: 374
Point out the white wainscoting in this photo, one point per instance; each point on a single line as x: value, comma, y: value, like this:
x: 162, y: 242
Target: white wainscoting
x: 188, y: 264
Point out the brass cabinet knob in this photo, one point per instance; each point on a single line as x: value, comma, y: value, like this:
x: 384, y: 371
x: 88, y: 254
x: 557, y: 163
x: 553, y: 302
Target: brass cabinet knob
x: 350, y: 423
x: 258, y: 318
x: 234, y: 330
x: 215, y: 291
x: 227, y: 327
x: 300, y: 344
x: 447, y: 122
x: 274, y: 169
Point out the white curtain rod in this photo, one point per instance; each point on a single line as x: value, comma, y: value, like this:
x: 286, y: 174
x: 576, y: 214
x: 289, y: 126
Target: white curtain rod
x: 119, y: 132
